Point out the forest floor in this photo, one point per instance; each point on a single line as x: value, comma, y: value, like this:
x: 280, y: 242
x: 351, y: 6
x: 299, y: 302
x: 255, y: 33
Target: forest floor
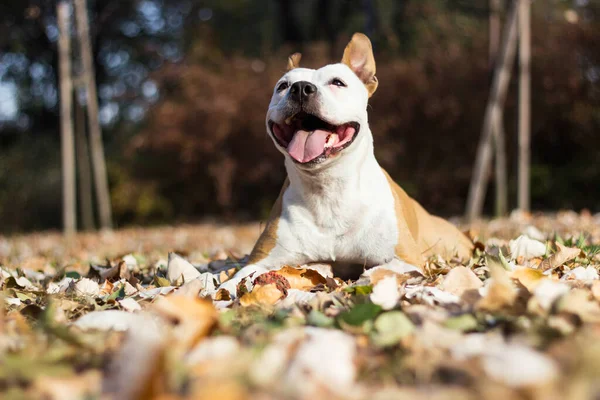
x: 141, y: 314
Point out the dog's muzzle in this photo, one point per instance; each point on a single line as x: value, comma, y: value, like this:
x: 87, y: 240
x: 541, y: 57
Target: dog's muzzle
x: 309, y: 139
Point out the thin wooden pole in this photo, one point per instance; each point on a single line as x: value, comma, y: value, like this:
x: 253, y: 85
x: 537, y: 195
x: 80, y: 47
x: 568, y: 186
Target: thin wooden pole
x: 86, y: 201
x: 96, y: 146
x: 492, y: 115
x: 495, y: 31
x: 66, y: 122
x: 524, y: 102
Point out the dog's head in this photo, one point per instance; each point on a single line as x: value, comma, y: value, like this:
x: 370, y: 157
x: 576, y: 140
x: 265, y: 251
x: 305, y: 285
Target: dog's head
x: 317, y: 116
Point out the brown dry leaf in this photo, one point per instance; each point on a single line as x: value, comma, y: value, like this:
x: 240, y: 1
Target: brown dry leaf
x: 85, y: 385
x: 301, y: 278
x: 578, y: 302
x: 222, y: 294
x: 106, y: 288
x: 500, y: 293
x: 195, y: 317
x: 596, y: 290
x: 563, y: 254
x: 528, y: 277
x: 224, y: 276
x: 382, y: 273
x: 268, y: 294
x: 459, y: 280
x: 190, y: 289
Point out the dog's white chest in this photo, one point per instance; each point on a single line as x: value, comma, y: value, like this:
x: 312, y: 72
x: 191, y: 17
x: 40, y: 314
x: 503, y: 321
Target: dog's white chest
x: 348, y: 223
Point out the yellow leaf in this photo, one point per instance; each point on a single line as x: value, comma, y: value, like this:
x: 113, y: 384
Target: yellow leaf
x: 262, y: 295
x: 500, y: 293
x: 528, y: 277
x: 301, y: 278
x: 195, y: 317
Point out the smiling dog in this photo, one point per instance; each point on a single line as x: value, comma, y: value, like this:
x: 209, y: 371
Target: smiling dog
x: 337, y: 204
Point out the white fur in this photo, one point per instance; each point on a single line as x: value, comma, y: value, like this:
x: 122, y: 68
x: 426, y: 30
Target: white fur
x: 343, y: 208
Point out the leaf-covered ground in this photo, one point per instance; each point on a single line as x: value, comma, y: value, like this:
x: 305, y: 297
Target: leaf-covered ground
x: 140, y: 314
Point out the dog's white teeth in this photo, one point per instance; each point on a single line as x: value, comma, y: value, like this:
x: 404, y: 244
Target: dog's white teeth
x: 288, y: 120
x: 330, y: 141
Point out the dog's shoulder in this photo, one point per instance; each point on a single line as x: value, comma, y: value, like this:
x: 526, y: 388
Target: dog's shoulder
x: 268, y: 238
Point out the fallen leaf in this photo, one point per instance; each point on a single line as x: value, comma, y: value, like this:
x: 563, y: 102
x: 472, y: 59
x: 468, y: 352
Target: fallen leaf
x: 459, y: 280
x: 563, y: 255
x: 527, y: 248
x: 360, y: 313
x: 178, y: 269
x: 130, y: 304
x: 582, y: 273
x: 386, y: 293
x: 499, y: 293
x: 213, y: 349
x: 517, y: 366
x: 85, y: 385
x: 115, y: 320
x: 528, y: 277
x: 578, y: 302
x: 301, y: 278
x: 548, y: 291
x: 391, y: 327
x: 195, y: 317
x: 325, y: 360
x: 87, y: 287
x: 430, y: 295
x: 464, y: 322
x: 268, y: 294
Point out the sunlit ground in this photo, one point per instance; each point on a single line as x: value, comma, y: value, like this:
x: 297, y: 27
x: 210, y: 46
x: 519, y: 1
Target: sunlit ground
x: 113, y: 313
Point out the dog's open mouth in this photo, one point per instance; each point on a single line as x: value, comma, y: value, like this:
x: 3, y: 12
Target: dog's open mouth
x: 308, y: 138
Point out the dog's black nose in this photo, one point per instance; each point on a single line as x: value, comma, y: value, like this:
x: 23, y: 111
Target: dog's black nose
x: 301, y: 91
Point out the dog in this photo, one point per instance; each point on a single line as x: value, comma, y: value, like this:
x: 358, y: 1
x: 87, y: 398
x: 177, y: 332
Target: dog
x: 337, y: 205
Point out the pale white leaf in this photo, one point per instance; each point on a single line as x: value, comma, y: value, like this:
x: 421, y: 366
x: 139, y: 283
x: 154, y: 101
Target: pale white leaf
x: 548, y: 291
x: 386, y: 293
x: 527, y: 248
x: 87, y: 287
x: 213, y: 348
x: 130, y: 304
x: 582, y: 273
x: 517, y: 366
x: 179, y: 267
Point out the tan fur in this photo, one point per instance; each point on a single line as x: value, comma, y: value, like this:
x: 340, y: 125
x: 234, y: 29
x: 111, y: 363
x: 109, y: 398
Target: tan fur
x: 358, y: 56
x: 294, y: 61
x: 421, y: 235
x: 268, y: 237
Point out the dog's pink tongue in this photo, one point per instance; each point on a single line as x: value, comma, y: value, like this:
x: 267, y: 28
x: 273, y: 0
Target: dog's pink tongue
x: 306, y: 146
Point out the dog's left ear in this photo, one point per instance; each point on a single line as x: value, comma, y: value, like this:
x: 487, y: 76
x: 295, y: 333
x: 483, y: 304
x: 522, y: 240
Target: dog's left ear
x: 358, y: 55
x: 294, y: 61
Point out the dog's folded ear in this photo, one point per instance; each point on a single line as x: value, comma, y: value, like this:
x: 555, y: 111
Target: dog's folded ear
x: 294, y: 61
x: 358, y: 55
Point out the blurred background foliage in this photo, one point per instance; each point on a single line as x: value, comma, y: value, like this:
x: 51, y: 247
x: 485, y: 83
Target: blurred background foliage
x: 184, y: 86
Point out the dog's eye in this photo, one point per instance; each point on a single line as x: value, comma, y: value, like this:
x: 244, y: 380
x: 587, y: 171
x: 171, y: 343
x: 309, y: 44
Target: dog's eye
x: 282, y: 86
x: 337, y: 82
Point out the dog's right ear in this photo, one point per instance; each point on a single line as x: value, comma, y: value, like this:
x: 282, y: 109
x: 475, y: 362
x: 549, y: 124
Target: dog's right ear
x: 358, y: 56
x: 294, y: 61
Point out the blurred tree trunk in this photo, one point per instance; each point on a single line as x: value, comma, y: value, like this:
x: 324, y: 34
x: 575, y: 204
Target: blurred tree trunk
x: 524, y: 102
x: 97, y: 148
x: 492, y: 114
x: 83, y: 170
x: 66, y: 115
x: 499, y: 135
x: 289, y: 26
